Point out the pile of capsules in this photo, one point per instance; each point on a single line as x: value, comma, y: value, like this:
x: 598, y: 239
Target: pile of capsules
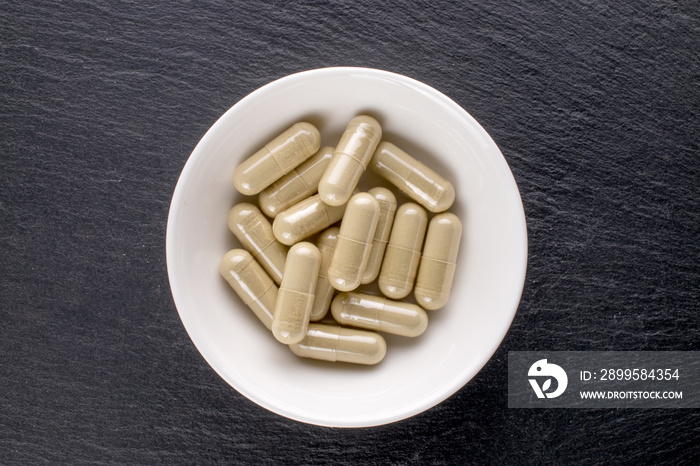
x: 306, y: 189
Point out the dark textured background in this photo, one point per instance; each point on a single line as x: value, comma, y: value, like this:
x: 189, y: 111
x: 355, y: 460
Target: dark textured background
x: 593, y: 104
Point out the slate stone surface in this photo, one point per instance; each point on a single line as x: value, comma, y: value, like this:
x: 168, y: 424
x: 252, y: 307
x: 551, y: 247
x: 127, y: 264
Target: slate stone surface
x: 595, y: 106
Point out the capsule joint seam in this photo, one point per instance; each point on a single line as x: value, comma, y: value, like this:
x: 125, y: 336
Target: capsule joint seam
x: 428, y: 258
x: 354, y: 158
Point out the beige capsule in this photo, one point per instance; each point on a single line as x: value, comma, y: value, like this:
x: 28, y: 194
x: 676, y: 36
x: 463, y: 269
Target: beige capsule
x: 296, y: 294
x: 350, y: 159
x: 296, y: 185
x: 380, y: 314
x: 254, y: 232
x: 438, y: 264
x: 251, y: 283
x: 304, y: 219
x: 277, y: 158
x: 403, y: 251
x: 354, y: 242
x: 339, y: 344
x: 387, y: 210
x: 324, y: 291
x: 413, y: 178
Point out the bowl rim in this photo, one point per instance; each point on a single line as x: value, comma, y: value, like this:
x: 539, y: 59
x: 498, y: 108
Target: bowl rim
x: 513, y: 194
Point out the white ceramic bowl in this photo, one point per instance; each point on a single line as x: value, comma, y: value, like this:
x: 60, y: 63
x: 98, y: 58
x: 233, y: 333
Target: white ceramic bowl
x: 416, y: 374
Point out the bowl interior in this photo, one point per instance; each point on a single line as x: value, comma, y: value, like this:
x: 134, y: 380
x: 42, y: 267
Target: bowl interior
x: 416, y: 373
